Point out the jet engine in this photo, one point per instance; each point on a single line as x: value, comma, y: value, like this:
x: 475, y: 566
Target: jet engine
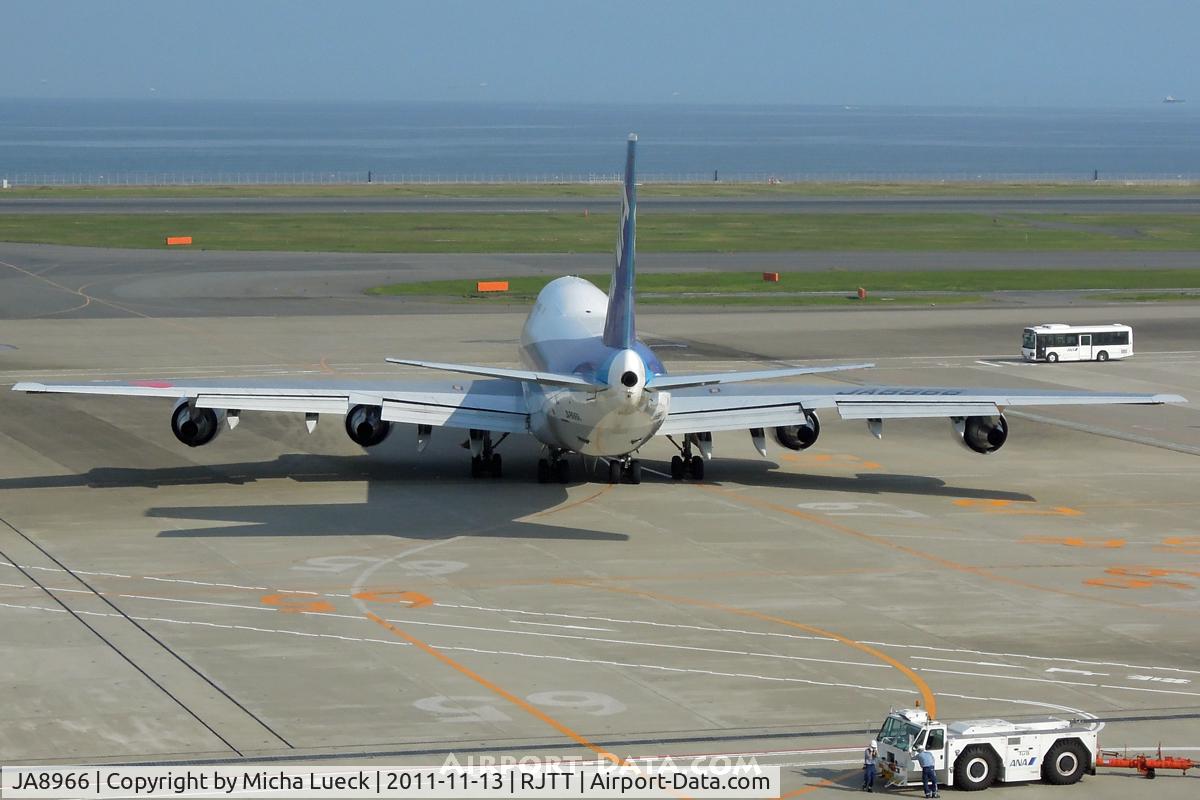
x: 800, y: 437
x: 981, y: 434
x: 365, y: 425
x: 195, y: 426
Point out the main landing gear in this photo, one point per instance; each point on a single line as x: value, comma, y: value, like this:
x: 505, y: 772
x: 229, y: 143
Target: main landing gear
x: 555, y: 468
x: 484, y: 458
x: 627, y: 469
x: 686, y: 464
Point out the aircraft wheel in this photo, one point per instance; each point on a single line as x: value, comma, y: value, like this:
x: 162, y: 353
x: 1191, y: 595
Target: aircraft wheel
x: 497, y: 466
x: 676, y: 468
x: 635, y: 471
x: 543, y: 471
x: 614, y: 471
x: 562, y: 470
x: 696, y: 468
x: 476, y: 466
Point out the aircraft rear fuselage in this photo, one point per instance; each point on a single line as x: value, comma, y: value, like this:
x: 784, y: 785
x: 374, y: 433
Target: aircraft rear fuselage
x: 563, y: 335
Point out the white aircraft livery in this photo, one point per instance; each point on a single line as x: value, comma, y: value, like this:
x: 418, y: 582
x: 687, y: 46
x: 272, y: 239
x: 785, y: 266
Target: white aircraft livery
x: 589, y: 385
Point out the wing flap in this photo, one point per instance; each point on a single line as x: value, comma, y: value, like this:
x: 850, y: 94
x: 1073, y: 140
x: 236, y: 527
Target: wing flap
x: 732, y: 419
x: 450, y: 416
x: 914, y: 409
x: 305, y: 404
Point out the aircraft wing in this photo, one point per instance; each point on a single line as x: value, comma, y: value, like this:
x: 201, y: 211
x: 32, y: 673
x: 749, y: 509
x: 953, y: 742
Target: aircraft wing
x: 494, y: 405
x: 765, y: 406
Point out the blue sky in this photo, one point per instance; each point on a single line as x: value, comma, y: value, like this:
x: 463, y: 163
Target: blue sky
x: 1094, y: 53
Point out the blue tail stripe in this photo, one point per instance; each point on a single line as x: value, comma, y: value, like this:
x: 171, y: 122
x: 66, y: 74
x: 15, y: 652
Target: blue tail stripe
x: 619, y: 325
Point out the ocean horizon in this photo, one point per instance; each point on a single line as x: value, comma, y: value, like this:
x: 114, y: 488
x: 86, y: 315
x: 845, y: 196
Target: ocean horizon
x: 205, y: 141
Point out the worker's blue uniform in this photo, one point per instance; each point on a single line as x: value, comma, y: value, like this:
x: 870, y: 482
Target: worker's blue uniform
x: 928, y: 774
x: 869, y: 769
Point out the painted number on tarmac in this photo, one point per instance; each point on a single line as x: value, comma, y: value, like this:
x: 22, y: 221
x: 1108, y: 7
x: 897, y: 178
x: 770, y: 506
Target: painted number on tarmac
x: 861, y: 510
x: 473, y: 708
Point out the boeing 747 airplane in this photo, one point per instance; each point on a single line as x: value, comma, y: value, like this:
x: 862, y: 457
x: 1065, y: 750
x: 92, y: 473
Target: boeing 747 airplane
x: 589, y: 385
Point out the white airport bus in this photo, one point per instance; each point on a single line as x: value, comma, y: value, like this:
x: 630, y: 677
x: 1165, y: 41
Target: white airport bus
x: 1056, y: 342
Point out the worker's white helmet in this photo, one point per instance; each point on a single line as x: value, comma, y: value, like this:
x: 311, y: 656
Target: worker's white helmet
x: 874, y: 745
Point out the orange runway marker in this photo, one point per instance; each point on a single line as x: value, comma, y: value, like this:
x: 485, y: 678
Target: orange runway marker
x: 412, y: 599
x: 491, y: 286
x: 178, y: 240
x: 297, y: 603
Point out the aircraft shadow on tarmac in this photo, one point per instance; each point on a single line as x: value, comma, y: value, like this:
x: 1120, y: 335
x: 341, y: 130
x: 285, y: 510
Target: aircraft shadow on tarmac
x: 433, y: 499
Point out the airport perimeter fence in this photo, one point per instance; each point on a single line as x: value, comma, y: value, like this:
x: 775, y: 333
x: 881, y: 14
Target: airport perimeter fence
x: 361, y: 178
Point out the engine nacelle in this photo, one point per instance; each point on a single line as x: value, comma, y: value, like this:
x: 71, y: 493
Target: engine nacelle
x: 195, y: 426
x: 981, y: 434
x: 366, y: 427
x: 800, y: 437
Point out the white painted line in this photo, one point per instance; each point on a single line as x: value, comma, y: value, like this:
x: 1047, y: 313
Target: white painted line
x: 1063, y: 683
x: 601, y: 640
x: 988, y: 363
x: 975, y: 663
x: 550, y: 625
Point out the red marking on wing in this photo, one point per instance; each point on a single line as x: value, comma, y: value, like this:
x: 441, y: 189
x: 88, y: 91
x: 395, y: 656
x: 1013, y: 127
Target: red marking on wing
x: 154, y: 384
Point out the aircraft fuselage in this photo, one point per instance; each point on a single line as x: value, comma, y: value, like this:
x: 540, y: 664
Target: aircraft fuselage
x: 563, y: 335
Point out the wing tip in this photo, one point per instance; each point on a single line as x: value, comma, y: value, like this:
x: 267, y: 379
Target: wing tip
x: 27, y: 386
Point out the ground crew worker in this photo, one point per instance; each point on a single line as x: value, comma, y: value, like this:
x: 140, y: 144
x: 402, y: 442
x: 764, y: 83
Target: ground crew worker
x: 869, y: 756
x: 928, y: 774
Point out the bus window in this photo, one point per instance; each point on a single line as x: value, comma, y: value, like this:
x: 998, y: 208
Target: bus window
x: 1029, y: 340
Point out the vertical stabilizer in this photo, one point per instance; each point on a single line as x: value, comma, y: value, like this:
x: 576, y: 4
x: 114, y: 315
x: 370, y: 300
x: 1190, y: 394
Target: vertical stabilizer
x: 619, y: 327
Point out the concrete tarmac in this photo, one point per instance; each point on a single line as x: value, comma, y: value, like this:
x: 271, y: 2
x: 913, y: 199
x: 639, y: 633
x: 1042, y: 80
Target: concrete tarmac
x: 288, y: 597
x: 1115, y: 204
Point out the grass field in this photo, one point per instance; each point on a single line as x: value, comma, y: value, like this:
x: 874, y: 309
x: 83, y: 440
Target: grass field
x: 726, y: 288
x: 612, y: 190
x: 563, y: 233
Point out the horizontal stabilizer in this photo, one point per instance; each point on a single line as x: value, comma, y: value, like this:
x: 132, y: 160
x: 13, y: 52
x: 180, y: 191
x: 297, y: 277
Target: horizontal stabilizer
x: 544, y: 378
x: 666, y: 382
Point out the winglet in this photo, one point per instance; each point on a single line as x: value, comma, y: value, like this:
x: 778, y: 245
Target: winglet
x: 619, y: 325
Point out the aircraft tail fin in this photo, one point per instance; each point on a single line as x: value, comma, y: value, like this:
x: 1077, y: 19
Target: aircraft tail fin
x: 619, y: 326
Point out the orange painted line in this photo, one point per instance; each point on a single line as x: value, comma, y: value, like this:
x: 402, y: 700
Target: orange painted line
x: 982, y: 572
x: 491, y: 286
x: 411, y: 599
x: 174, y: 240
x: 927, y: 695
x: 520, y: 703
x: 823, y: 784
x: 297, y: 603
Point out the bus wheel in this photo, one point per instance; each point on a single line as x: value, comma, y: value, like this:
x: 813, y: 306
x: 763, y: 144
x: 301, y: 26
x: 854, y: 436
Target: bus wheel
x: 1052, y: 357
x: 1102, y: 356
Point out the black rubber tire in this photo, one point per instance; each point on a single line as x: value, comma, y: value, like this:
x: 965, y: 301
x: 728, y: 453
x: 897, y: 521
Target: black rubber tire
x: 476, y: 466
x: 614, y: 471
x: 676, y: 468
x: 543, y: 471
x: 976, y: 768
x: 562, y: 470
x: 634, y: 473
x: 496, y: 468
x: 1065, y: 763
x: 1102, y: 356
x: 1052, y: 358
x: 696, y: 468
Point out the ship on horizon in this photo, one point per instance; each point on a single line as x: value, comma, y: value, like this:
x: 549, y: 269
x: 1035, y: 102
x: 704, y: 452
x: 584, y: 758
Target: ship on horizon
x: 1172, y: 99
